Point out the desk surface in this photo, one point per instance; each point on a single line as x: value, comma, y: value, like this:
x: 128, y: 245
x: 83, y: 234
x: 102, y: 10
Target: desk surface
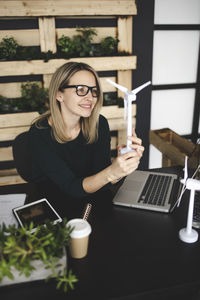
x: 133, y: 254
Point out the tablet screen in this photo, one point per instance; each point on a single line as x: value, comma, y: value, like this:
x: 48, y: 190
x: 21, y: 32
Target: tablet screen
x: 37, y: 212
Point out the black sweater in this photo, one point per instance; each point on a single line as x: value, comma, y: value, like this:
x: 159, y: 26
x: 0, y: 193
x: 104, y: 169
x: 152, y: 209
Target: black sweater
x: 66, y: 165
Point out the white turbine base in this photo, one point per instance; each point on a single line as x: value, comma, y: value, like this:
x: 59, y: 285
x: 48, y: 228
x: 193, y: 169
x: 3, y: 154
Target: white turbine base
x: 125, y: 150
x: 186, y: 237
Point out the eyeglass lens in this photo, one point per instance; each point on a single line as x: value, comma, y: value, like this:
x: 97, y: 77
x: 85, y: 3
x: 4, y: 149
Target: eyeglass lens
x: 83, y: 90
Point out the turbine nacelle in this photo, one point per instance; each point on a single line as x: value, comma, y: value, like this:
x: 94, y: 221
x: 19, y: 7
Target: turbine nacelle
x: 130, y: 96
x: 193, y: 184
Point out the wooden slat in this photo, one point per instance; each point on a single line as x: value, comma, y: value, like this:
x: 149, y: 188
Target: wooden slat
x: 118, y: 124
x: 31, y: 37
x: 6, y: 154
x: 13, y: 89
x: 8, y: 172
x: 67, y: 8
x: 102, y: 32
x: 47, y: 34
x: 122, y: 137
x: 124, y: 78
x: 125, y: 33
x: 107, y: 87
x: 113, y: 144
x: 9, y: 68
x: 11, y: 179
x: 47, y: 79
x: 115, y: 112
x: 24, y: 37
x: 16, y: 120
x: 8, y: 134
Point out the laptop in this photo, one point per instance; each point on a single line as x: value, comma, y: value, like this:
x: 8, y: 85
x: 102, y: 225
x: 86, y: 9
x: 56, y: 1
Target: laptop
x: 149, y: 190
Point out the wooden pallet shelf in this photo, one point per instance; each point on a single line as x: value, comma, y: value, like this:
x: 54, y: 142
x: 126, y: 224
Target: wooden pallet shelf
x: 14, y: 68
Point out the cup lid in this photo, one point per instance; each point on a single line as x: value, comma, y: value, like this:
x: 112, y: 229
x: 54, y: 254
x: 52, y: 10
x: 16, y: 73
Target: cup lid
x: 80, y: 227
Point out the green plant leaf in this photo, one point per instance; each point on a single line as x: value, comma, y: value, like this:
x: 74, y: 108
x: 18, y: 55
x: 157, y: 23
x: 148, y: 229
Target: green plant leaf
x: 19, y: 248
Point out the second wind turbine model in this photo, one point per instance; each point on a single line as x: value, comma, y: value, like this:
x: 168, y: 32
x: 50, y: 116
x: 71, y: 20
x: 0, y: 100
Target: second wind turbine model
x: 129, y: 97
x: 188, y: 234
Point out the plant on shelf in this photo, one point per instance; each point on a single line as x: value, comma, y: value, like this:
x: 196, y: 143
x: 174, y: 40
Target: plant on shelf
x: 81, y: 44
x: 8, y: 48
x: 19, y: 248
x: 108, y: 46
x: 9, y: 105
x: 83, y: 41
x: 78, y: 45
x: 34, y: 98
x: 66, y: 45
x: 27, y: 53
x: 108, y: 100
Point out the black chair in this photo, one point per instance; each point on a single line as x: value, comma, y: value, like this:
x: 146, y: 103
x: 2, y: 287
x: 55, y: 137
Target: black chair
x: 23, y: 164
x: 22, y: 156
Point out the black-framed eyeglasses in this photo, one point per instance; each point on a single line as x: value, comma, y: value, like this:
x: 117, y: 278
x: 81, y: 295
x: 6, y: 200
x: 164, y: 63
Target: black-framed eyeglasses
x: 83, y: 90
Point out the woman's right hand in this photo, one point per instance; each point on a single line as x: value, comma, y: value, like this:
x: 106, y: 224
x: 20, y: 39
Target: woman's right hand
x: 124, y: 165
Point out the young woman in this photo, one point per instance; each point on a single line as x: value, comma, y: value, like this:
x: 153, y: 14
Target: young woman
x: 70, y: 143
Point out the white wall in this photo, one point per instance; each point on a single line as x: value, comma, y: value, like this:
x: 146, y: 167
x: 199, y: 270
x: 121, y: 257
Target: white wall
x: 175, y: 58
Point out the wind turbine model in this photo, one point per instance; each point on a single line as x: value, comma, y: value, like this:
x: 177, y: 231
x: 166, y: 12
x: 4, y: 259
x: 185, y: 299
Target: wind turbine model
x: 188, y: 234
x: 129, y: 97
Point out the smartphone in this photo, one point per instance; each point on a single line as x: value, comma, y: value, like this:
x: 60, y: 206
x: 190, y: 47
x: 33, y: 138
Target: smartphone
x: 37, y: 212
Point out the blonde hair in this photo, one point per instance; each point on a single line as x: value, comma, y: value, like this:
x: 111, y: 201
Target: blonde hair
x: 60, y: 79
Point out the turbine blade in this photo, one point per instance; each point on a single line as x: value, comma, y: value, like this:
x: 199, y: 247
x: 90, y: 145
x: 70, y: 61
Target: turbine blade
x: 186, y: 169
x: 141, y: 87
x: 118, y: 86
x: 184, y: 180
x: 181, y: 195
x: 125, y: 109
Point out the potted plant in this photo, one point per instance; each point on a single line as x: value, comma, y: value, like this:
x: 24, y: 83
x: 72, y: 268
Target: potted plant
x: 26, y: 256
x: 8, y: 48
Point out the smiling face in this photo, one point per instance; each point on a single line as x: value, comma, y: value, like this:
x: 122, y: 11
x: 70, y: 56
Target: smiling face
x: 72, y: 105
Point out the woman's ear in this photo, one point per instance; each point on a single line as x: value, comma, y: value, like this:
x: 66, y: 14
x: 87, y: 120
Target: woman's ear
x: 59, y: 96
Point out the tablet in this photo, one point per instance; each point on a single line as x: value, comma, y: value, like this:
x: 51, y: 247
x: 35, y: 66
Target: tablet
x: 38, y: 212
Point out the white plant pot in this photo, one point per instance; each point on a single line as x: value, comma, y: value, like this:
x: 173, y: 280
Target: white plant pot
x: 38, y: 274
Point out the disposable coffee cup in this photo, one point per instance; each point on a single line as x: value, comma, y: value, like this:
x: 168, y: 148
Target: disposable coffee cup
x: 79, y: 237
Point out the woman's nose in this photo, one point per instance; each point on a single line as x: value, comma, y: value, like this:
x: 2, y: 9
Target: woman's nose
x: 89, y: 95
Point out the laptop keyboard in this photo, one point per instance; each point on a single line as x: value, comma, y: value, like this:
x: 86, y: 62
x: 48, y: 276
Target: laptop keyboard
x: 155, y: 190
x: 196, y: 216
